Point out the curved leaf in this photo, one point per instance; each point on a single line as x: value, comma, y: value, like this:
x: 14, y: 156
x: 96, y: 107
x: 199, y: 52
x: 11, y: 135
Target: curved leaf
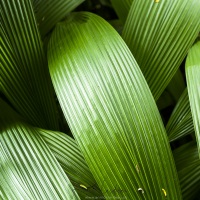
x: 28, y: 168
x: 49, y: 13
x: 25, y: 79
x: 188, y: 167
x: 110, y: 110
x: 180, y: 122
x: 159, y: 34
x: 193, y: 82
x: 67, y: 153
x: 122, y: 8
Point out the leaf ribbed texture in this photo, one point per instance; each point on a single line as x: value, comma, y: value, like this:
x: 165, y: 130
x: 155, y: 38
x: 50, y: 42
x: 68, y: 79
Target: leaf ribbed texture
x: 188, y: 167
x: 48, y: 13
x: 180, y: 122
x: 24, y: 75
x: 67, y: 153
x: 28, y: 168
x: 122, y: 8
x: 110, y: 110
x: 159, y: 35
x: 193, y: 82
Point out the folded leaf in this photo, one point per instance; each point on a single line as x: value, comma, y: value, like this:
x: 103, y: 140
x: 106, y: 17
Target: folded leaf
x: 110, y: 110
x: 159, y: 34
x: 28, y: 168
x: 49, y: 13
x: 180, y: 122
x: 25, y: 79
x: 193, y: 82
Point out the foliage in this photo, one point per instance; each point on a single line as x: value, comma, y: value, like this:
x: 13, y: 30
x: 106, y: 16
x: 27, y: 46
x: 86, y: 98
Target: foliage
x: 85, y: 97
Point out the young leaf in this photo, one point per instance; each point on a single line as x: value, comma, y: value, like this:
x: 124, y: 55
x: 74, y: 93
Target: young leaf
x: 28, y: 168
x: 110, y: 110
x: 25, y: 79
x: 48, y: 13
x: 193, y: 82
x: 159, y: 34
x: 180, y: 122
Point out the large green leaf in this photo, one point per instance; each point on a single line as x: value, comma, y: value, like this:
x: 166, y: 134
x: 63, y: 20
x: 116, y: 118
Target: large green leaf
x: 122, y: 8
x: 67, y: 153
x: 159, y: 34
x: 25, y: 79
x: 49, y: 13
x: 188, y: 167
x: 110, y: 110
x: 28, y: 168
x: 193, y: 82
x: 180, y: 122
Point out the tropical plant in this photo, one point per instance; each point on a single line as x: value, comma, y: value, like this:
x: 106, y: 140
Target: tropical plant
x: 96, y: 107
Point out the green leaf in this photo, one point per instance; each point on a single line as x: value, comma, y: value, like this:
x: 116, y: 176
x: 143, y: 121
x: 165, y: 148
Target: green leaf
x: 25, y: 79
x: 180, y: 122
x: 122, y: 8
x: 67, y: 153
x: 159, y: 34
x: 110, y: 110
x: 28, y: 168
x: 49, y: 13
x: 193, y: 81
x: 188, y: 167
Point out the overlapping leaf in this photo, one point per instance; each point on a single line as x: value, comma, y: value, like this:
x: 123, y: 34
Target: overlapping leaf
x: 188, y: 167
x: 159, y: 34
x: 48, y: 13
x: 180, y: 122
x: 24, y: 74
x: 28, y: 168
x: 193, y: 82
x: 110, y: 110
x: 70, y: 158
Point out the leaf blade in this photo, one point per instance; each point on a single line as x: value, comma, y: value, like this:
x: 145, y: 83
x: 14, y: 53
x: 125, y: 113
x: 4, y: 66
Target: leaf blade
x: 28, y: 168
x: 48, y: 14
x: 159, y: 35
x: 105, y: 100
x: 192, y: 77
x: 25, y: 79
x: 180, y: 122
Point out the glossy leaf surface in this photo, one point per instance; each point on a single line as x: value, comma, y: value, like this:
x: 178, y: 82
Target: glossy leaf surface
x: 110, y: 110
x: 159, y: 34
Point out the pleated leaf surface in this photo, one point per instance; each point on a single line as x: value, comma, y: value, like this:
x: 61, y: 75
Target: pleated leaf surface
x: 193, y: 82
x: 24, y: 74
x: 110, y: 110
x: 180, y: 122
x: 48, y: 13
x: 188, y: 167
x: 28, y: 168
x: 67, y: 153
x: 159, y: 34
